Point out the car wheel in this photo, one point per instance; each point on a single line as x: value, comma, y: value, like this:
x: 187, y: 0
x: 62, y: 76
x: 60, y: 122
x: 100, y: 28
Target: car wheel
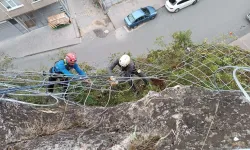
x: 135, y: 27
x: 177, y: 10
x: 152, y: 18
x: 194, y: 2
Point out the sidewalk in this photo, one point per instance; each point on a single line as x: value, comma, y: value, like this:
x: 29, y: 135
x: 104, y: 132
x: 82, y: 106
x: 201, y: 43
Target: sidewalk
x: 118, y: 12
x: 243, y: 42
x: 90, y: 18
x: 40, y: 40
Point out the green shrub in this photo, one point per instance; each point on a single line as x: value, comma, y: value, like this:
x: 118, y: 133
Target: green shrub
x: 181, y: 62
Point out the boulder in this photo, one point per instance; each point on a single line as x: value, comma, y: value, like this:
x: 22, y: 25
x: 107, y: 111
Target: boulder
x: 182, y: 117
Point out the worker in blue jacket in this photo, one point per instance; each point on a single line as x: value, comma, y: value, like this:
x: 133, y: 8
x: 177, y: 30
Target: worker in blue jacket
x: 63, y: 67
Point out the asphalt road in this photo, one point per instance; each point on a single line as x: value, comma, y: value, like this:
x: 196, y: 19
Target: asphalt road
x: 208, y: 19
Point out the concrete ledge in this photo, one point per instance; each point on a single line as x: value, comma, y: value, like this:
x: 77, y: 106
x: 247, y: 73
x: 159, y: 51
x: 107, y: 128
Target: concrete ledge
x: 38, y: 41
x: 243, y: 42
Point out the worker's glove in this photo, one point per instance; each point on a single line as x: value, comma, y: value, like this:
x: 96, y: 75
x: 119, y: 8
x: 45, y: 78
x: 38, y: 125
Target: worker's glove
x: 113, y: 81
x: 44, y: 73
x: 86, y: 80
x: 112, y: 78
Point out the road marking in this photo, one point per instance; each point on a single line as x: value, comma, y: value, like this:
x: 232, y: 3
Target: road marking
x: 131, y: 30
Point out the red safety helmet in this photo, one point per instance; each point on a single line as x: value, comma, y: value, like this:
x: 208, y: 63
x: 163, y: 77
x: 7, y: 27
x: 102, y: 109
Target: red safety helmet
x: 71, y: 58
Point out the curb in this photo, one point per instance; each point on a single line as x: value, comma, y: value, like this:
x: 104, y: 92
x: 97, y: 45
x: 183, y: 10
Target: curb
x: 110, y: 20
x: 54, y: 49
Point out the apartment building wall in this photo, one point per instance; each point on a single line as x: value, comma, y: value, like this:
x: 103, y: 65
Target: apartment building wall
x: 27, y: 6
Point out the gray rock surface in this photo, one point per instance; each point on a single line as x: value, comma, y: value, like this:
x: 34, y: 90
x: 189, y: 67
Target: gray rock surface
x: 176, y: 118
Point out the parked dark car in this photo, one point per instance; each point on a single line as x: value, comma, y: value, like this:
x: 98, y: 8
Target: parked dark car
x: 139, y: 16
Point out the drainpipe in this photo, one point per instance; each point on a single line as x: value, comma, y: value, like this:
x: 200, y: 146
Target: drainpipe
x: 65, y: 7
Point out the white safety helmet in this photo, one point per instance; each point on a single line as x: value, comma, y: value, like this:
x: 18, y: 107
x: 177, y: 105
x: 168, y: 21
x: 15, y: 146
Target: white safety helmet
x: 124, y: 60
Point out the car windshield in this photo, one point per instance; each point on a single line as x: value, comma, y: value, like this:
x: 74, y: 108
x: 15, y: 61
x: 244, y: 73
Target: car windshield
x: 146, y: 11
x: 173, y: 2
x: 131, y: 18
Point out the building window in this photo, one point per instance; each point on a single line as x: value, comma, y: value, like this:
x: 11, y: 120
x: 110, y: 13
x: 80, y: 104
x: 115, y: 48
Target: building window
x: 11, y: 4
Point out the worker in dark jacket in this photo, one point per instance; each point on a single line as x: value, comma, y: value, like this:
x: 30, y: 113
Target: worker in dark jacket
x: 63, y: 67
x: 128, y: 69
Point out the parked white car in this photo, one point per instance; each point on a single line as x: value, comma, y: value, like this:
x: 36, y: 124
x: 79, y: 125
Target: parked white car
x: 176, y: 5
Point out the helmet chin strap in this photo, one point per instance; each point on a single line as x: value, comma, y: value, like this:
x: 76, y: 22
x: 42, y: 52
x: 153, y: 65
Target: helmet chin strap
x: 66, y: 63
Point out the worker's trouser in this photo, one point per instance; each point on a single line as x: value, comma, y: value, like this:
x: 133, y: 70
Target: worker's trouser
x: 64, y: 82
x: 134, y: 72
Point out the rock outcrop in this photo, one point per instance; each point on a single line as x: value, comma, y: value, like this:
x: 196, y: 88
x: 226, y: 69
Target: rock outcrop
x: 176, y: 118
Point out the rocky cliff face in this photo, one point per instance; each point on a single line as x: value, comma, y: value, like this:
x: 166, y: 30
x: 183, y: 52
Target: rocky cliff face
x: 176, y: 118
